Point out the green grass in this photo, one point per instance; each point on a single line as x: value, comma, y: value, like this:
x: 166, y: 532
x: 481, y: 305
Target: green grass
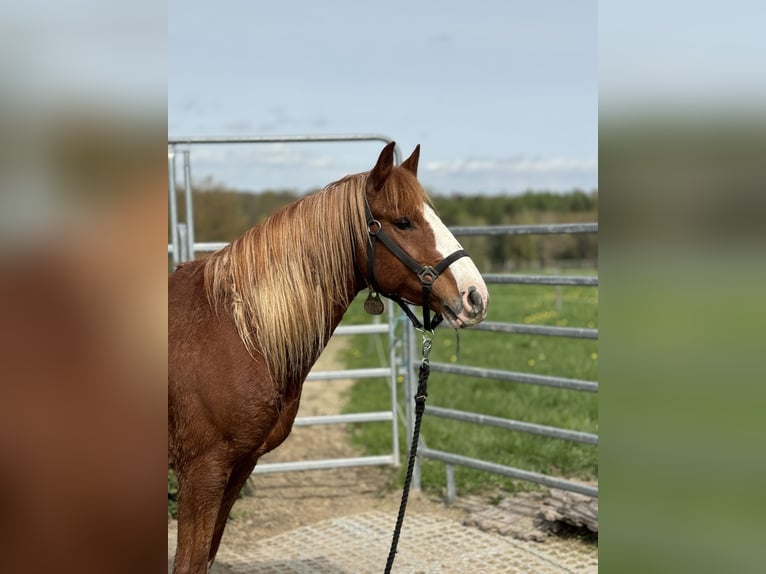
x: 575, y: 410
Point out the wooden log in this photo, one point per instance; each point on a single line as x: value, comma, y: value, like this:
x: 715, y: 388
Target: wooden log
x: 571, y: 508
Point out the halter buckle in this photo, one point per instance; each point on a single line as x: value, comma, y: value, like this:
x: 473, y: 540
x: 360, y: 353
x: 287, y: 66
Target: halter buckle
x: 427, y: 275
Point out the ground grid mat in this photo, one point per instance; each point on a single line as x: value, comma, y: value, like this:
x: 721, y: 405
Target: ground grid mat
x: 428, y: 545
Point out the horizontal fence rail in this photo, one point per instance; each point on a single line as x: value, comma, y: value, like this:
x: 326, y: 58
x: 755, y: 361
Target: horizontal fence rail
x: 523, y: 329
x: 537, y: 229
x: 501, y: 278
x: 514, y: 425
x: 369, y: 417
x: 371, y: 373
x: 516, y: 377
x: 544, y: 479
x: 179, y: 140
x: 326, y: 464
x: 204, y: 246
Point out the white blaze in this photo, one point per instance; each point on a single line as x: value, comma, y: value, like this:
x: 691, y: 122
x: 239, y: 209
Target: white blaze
x: 465, y: 272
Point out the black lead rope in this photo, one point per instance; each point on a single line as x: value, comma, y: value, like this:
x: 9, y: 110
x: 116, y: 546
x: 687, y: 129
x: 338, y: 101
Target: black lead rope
x: 420, y: 407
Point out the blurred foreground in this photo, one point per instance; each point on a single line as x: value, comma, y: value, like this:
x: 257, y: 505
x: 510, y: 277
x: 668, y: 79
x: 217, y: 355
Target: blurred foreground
x: 83, y: 221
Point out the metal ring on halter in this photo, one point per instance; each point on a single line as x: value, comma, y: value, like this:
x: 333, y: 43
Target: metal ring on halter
x: 370, y: 224
x: 428, y: 275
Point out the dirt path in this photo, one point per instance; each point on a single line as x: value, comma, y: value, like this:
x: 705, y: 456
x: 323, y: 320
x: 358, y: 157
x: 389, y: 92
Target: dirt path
x: 281, y: 503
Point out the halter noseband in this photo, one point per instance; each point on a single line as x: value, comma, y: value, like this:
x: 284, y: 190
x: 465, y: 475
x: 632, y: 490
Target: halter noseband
x: 425, y: 273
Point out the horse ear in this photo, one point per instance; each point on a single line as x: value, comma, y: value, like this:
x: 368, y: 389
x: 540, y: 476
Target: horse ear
x: 382, y: 169
x: 411, y: 163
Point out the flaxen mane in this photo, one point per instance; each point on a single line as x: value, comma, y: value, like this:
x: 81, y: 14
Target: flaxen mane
x: 276, y: 278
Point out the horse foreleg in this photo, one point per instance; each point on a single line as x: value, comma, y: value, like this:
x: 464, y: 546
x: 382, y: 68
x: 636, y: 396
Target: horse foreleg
x: 237, y: 481
x: 201, y: 488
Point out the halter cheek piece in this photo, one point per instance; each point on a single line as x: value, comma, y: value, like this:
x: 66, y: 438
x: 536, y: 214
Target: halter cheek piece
x: 425, y: 273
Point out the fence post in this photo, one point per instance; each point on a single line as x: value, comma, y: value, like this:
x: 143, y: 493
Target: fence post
x: 451, y: 488
x: 189, y: 207
x: 173, y: 205
x: 183, y: 252
x: 393, y: 382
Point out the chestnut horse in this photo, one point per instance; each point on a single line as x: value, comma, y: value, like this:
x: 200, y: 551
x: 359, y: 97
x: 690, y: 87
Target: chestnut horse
x: 246, y: 325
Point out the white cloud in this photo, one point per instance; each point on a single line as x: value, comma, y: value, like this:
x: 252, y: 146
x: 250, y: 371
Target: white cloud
x: 514, y: 165
x: 278, y: 166
x: 510, y: 175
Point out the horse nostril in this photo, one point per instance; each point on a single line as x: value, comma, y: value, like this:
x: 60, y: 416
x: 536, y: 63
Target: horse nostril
x: 474, y: 298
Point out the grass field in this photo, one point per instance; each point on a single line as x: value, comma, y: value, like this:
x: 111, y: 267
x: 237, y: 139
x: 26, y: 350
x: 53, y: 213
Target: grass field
x: 575, y: 410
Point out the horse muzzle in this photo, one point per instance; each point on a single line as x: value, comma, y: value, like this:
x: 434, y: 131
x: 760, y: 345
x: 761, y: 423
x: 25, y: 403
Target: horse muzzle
x: 469, y: 309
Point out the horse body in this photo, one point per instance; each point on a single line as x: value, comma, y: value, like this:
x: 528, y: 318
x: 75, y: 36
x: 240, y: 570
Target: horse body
x: 246, y: 325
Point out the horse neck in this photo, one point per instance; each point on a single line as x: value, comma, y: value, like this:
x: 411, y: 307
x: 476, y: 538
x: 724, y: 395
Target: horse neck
x: 289, y: 292
x: 355, y: 285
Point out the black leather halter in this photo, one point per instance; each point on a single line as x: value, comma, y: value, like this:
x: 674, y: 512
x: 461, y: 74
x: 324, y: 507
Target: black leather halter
x: 425, y: 273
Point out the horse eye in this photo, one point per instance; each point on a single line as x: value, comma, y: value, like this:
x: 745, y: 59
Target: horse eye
x: 403, y: 223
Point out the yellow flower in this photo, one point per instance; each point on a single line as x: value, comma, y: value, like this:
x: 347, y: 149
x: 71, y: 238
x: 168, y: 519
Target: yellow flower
x: 541, y: 316
x: 541, y: 357
x: 453, y: 359
x: 400, y: 379
x: 531, y: 362
x: 594, y: 356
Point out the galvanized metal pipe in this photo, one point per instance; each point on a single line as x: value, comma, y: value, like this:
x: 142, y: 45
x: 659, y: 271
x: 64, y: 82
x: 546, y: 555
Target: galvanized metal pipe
x: 537, y: 229
x: 392, y: 384
x: 324, y: 464
x: 504, y: 278
x: 545, y: 330
x: 368, y: 329
x: 370, y: 373
x: 516, y: 377
x: 183, y: 245
x: 173, y: 206
x: 451, y: 486
x: 510, y: 471
x: 369, y: 417
x: 514, y: 425
x: 287, y: 139
x: 189, y: 207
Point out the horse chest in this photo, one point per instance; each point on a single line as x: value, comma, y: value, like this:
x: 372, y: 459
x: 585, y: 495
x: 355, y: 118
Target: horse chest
x: 282, y: 427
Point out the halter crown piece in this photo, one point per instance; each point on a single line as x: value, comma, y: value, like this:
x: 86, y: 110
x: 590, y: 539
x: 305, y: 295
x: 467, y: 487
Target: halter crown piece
x: 425, y: 273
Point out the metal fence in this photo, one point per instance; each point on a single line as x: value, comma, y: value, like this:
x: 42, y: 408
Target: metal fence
x: 183, y: 247
x: 451, y: 459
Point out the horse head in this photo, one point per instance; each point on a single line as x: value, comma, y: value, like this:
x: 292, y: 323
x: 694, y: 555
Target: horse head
x: 411, y: 256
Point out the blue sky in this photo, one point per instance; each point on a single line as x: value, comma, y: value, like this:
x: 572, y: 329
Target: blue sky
x: 682, y: 56
x: 501, y: 95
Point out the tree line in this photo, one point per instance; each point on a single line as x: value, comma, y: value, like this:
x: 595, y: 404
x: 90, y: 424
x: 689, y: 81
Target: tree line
x: 222, y: 214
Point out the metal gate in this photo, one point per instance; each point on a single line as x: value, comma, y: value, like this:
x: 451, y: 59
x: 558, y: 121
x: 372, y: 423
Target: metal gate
x: 503, y: 329
x: 183, y: 247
